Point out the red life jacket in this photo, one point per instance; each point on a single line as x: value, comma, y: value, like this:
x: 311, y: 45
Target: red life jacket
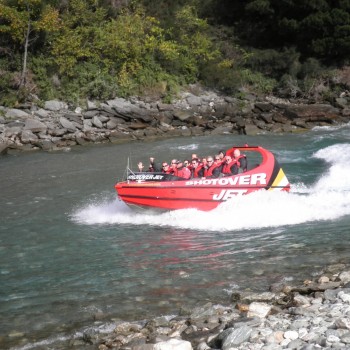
x: 169, y: 171
x: 196, y: 171
x: 227, y: 167
x: 239, y: 162
x: 209, y: 171
x: 183, y: 172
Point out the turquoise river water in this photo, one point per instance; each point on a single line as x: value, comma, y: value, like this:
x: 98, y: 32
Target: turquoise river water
x: 69, y: 250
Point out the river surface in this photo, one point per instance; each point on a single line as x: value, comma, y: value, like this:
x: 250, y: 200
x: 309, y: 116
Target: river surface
x: 70, y: 252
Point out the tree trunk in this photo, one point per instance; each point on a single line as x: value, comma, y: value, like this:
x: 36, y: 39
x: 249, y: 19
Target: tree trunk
x: 25, y: 57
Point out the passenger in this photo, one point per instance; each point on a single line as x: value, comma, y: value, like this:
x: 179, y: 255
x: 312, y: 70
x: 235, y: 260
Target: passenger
x: 222, y: 155
x: 241, y: 160
x: 173, y: 165
x: 140, y: 166
x: 212, y: 170
x: 218, y: 161
x: 153, y: 167
x: 166, y: 168
x: 197, y: 169
x: 186, y: 163
x: 181, y: 170
x: 204, y: 161
x: 230, y: 167
x: 194, y: 155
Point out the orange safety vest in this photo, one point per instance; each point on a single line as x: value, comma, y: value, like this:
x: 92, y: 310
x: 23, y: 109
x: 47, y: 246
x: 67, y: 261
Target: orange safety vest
x: 227, y: 167
x: 209, y: 171
x: 196, y: 171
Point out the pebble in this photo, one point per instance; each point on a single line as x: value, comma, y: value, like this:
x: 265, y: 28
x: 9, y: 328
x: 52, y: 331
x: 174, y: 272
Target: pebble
x: 305, y: 319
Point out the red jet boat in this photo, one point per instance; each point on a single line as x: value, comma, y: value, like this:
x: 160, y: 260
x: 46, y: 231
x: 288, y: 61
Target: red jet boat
x: 155, y: 190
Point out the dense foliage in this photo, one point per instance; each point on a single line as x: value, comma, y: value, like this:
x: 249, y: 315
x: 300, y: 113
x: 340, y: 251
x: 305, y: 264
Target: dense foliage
x: 100, y: 49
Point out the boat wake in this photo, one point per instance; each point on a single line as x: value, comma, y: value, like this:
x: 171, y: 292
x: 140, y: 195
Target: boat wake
x: 327, y: 199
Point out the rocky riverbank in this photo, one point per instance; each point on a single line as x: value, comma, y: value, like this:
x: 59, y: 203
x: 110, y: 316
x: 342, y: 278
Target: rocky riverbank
x: 56, y: 126
x: 310, y: 316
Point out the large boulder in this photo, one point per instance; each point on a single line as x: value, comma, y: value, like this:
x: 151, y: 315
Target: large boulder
x: 251, y: 130
x: 97, y: 122
x: 183, y: 114
x: 66, y: 124
x: 312, y: 113
x: 27, y: 136
x: 14, y: 113
x: 122, y: 108
x: 34, y: 125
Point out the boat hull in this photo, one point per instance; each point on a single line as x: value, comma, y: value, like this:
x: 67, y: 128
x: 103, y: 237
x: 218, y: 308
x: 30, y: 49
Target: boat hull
x: 202, y: 194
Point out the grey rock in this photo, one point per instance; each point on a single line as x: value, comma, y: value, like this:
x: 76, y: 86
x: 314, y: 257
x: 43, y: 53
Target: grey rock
x: 45, y: 145
x: 57, y: 132
x: 55, y: 105
x: 119, y: 137
x: 13, y: 131
x: 182, y: 114
x: 67, y: 124
x: 34, y: 125
x: 91, y: 105
x: 341, y: 102
x: 266, y: 117
x: 251, y: 130
x: 264, y: 106
x: 15, y: 123
x: 90, y: 113
x: 193, y: 100
x: 27, y: 136
x: 103, y: 118
x: 346, y: 338
x: 222, y: 130
x: 113, y: 122
x: 345, y: 276
x: 73, y: 117
x: 331, y: 294
x: 97, y: 122
x: 296, y: 344
x: 162, y: 107
x: 14, y: 113
x: 42, y: 113
x: 236, y: 337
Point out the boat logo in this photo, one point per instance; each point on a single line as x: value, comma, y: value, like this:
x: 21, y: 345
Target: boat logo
x: 145, y: 177
x: 253, y: 179
x: 224, y: 195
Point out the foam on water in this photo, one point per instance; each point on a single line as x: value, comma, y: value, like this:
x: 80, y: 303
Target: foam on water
x: 327, y: 199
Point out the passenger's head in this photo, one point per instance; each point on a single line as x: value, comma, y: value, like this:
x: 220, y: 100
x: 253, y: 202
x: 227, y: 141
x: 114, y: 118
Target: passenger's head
x: 217, y: 158
x: 173, y: 163
x: 204, y: 161
x: 165, y: 166
x: 210, y: 160
x: 195, y: 162
x: 236, y: 153
x: 194, y: 155
x: 186, y: 162
x: 221, y: 154
x: 179, y: 164
x: 228, y: 159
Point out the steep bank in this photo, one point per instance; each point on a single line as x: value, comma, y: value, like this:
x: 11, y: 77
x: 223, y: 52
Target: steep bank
x: 56, y: 126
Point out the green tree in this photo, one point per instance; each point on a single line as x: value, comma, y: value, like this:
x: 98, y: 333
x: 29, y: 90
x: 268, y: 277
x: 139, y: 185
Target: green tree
x: 22, y: 20
x: 82, y: 21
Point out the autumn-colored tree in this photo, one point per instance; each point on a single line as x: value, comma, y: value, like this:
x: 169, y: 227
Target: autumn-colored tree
x: 22, y: 20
